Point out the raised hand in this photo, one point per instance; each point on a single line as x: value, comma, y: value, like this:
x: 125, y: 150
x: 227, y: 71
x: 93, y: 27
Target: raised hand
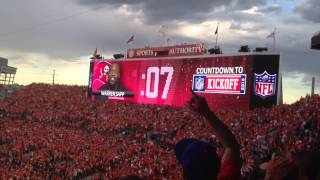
x: 198, y: 104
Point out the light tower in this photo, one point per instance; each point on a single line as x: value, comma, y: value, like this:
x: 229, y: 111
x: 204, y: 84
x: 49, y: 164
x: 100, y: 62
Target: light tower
x: 7, y: 73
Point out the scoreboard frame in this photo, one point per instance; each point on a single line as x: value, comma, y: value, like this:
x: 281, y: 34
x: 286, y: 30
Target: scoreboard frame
x: 159, y: 68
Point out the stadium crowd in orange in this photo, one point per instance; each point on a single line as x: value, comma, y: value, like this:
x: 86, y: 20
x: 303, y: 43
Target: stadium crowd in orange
x: 56, y: 132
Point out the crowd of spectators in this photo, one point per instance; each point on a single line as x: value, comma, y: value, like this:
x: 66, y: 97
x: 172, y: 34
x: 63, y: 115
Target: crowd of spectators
x: 56, y: 132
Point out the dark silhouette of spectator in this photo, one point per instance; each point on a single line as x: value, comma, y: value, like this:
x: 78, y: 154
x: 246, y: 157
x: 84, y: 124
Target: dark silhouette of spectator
x: 281, y: 168
x: 130, y: 177
x: 308, y: 163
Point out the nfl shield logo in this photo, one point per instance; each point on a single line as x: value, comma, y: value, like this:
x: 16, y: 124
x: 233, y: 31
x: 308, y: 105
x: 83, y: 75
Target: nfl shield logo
x: 199, y: 83
x: 265, y: 84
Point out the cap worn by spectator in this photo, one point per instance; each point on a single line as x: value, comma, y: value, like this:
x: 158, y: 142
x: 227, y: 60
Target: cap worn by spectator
x: 198, y: 159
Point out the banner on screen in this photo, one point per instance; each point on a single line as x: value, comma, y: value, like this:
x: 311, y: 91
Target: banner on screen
x: 220, y: 84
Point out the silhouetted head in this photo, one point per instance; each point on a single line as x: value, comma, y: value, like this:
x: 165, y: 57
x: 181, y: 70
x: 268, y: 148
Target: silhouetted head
x: 281, y: 168
x: 130, y: 177
x: 199, y: 160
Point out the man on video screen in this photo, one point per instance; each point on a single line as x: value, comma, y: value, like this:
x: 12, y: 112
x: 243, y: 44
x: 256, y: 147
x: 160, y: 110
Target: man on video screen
x: 113, y: 87
x: 113, y: 79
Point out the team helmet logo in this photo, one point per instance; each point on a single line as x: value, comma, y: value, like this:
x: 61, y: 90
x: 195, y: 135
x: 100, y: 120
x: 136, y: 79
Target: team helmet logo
x: 199, y: 83
x: 265, y: 84
x: 104, y: 72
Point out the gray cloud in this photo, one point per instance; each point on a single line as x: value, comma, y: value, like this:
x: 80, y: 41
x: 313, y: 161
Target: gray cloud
x: 310, y: 10
x: 40, y: 27
x: 156, y: 11
x: 108, y: 29
x: 301, y: 60
x: 271, y: 9
x: 246, y: 4
x: 114, y: 2
x: 245, y: 17
x: 235, y: 25
x: 294, y: 19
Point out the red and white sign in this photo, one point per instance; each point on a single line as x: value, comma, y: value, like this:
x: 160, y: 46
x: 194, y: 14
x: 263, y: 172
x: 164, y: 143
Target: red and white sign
x: 167, y: 51
x: 264, y: 89
x: 221, y: 84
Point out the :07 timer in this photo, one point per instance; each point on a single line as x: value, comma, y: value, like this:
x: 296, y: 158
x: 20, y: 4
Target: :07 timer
x: 153, y: 74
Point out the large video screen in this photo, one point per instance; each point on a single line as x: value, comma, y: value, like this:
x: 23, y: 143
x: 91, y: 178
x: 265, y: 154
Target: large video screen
x: 225, y: 81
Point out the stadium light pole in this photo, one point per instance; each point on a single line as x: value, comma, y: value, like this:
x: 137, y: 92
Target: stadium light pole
x: 53, y: 74
x: 313, y: 85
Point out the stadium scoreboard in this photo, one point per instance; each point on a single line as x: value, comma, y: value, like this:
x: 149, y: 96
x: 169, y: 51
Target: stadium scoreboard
x: 166, y: 75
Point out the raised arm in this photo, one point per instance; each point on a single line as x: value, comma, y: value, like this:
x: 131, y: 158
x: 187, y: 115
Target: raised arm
x: 222, y: 132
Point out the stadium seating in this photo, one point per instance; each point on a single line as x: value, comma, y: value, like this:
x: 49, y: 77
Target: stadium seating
x: 56, y: 132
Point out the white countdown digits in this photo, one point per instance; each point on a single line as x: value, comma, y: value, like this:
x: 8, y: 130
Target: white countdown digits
x: 150, y: 71
x: 168, y: 70
x: 155, y: 72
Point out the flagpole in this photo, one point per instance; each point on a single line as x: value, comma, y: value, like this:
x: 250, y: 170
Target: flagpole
x: 217, y: 39
x: 126, y: 50
x: 274, y: 40
x: 129, y: 41
x: 217, y: 34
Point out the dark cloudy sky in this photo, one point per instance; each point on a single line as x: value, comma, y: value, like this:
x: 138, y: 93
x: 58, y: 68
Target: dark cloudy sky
x: 38, y: 36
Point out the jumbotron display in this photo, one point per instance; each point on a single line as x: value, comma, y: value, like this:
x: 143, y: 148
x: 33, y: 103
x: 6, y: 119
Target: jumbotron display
x: 242, y: 81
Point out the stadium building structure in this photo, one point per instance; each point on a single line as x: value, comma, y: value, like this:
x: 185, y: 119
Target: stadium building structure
x: 315, y: 41
x: 7, y: 73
